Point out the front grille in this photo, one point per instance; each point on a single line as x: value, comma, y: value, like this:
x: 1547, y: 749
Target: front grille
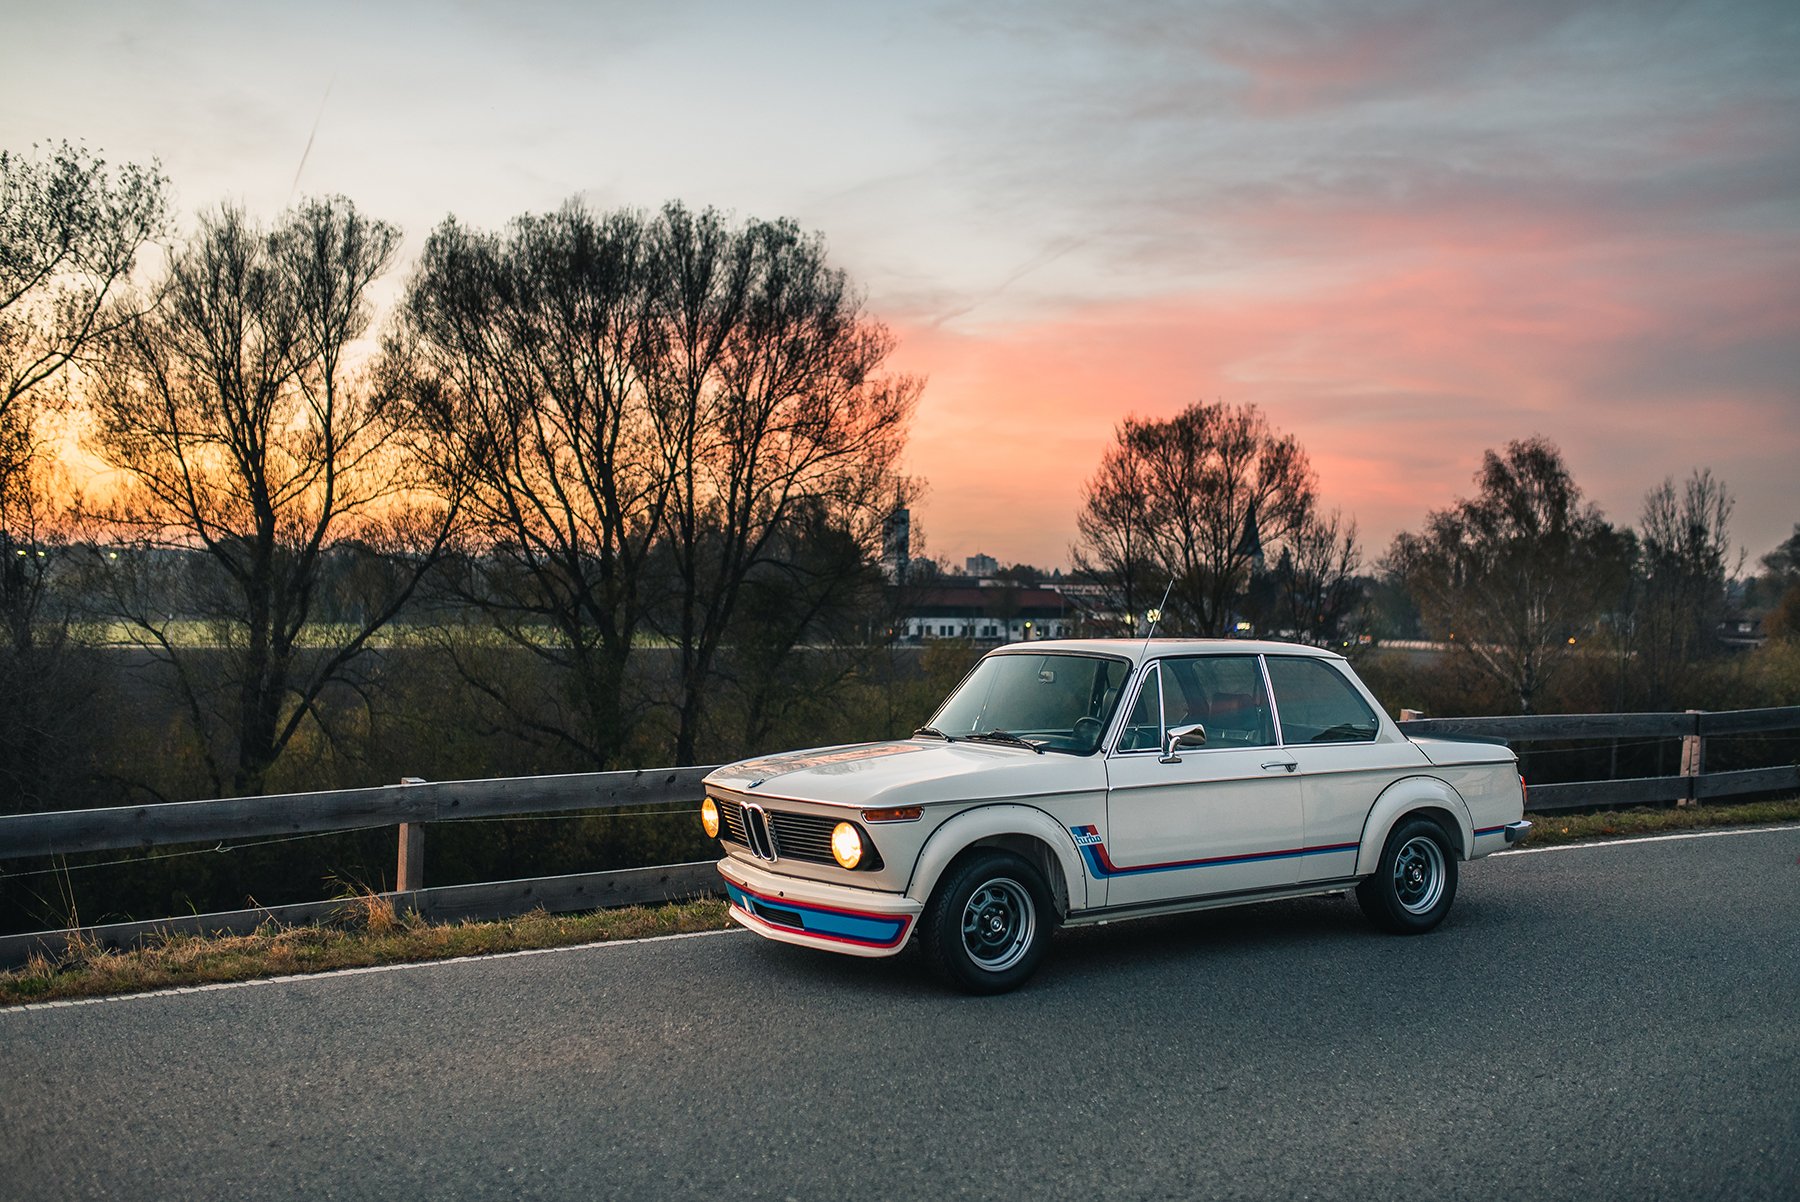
x: 797, y: 836
x: 803, y: 836
x: 733, y: 814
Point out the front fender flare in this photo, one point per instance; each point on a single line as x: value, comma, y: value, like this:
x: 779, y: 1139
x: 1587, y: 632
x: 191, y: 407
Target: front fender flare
x: 1403, y: 797
x: 986, y: 822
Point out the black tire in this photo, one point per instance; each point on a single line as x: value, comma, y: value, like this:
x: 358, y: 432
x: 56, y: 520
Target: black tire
x: 988, y: 923
x: 1414, y: 881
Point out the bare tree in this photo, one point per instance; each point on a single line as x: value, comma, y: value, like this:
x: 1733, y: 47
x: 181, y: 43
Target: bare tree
x: 1315, y: 578
x: 769, y: 399
x: 1187, y: 490
x: 1684, y: 560
x: 648, y: 415
x: 250, y: 449
x: 71, y: 231
x: 526, y: 358
x: 1114, y: 548
x: 70, y: 234
x: 1517, y: 574
x: 816, y: 588
x: 1776, y: 590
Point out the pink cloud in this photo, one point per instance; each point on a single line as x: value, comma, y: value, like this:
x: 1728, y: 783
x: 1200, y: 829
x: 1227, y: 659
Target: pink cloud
x: 1394, y: 381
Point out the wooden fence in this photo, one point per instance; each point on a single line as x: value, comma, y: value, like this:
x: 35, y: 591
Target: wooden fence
x: 1692, y: 784
x: 411, y: 804
x: 407, y: 806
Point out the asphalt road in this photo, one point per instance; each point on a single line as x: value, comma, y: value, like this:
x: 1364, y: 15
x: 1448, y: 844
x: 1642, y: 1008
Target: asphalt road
x: 1621, y: 1022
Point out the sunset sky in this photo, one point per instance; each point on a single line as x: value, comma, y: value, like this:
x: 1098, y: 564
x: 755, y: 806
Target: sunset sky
x: 1408, y: 231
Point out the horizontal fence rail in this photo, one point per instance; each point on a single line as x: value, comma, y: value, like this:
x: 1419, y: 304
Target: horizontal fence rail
x: 411, y: 804
x: 67, y: 832
x: 407, y: 806
x: 1692, y: 727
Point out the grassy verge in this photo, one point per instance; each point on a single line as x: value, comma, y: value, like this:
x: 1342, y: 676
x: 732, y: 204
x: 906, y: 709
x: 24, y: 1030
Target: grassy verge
x: 372, y: 933
x: 1573, y: 828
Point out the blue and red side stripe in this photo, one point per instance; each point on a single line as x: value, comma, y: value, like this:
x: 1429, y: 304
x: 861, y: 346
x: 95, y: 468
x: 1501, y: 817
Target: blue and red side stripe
x: 821, y: 922
x: 1100, y: 863
x: 1093, y: 850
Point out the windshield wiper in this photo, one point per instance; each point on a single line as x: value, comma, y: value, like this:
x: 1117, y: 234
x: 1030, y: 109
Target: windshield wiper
x: 934, y: 732
x: 1007, y: 737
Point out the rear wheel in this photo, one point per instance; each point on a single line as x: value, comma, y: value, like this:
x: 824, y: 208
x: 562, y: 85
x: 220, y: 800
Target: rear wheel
x: 1414, y: 881
x: 988, y: 923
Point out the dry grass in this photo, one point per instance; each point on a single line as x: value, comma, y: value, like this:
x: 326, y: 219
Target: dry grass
x: 1572, y: 828
x: 370, y: 932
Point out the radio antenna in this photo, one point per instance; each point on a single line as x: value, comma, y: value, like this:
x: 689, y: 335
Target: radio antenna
x: 1155, y: 616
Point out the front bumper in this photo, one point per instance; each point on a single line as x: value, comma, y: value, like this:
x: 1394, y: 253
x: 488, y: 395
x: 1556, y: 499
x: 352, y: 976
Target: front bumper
x: 833, y: 918
x: 1516, y: 831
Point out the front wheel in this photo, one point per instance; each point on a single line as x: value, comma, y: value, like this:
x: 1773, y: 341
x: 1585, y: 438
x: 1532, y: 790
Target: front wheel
x: 1414, y: 881
x: 988, y: 923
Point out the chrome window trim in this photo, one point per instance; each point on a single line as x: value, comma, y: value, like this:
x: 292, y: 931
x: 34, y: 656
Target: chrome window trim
x: 1125, y: 711
x: 1262, y: 663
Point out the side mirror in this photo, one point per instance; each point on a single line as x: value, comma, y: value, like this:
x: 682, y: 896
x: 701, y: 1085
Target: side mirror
x: 1182, y: 736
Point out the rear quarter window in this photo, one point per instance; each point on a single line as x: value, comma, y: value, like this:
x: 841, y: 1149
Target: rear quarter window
x: 1317, y: 705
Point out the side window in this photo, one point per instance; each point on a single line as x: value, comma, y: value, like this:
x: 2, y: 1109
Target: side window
x: 1318, y: 705
x: 1225, y: 694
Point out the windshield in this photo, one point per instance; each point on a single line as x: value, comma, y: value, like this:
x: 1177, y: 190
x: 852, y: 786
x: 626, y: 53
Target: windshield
x: 1053, y: 702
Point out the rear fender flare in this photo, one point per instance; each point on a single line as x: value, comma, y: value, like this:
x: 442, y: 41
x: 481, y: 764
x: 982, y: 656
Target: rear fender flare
x: 1408, y: 796
x: 994, y: 823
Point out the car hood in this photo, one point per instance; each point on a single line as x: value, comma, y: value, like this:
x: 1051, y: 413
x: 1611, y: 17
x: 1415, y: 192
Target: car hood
x: 910, y: 772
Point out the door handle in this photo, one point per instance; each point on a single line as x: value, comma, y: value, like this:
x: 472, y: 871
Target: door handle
x: 1290, y: 765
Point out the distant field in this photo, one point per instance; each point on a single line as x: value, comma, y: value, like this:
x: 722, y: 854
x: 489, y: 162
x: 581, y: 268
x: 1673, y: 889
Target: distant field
x: 198, y: 634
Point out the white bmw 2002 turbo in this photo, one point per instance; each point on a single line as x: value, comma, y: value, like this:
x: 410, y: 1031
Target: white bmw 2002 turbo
x: 1075, y: 782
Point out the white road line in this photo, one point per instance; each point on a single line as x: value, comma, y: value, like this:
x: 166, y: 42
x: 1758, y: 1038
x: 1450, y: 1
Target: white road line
x: 1627, y: 842
x: 357, y: 972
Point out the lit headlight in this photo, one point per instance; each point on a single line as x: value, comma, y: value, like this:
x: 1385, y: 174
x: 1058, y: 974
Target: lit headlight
x: 709, y: 817
x: 846, y: 845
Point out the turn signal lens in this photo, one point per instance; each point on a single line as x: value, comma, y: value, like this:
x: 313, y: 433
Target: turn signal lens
x: 897, y: 814
x: 846, y: 845
x: 709, y: 817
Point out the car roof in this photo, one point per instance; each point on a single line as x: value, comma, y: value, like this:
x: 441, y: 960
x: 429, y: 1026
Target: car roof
x: 1138, y: 650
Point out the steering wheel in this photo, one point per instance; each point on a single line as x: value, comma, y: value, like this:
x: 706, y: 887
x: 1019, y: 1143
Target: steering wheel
x: 1087, y: 732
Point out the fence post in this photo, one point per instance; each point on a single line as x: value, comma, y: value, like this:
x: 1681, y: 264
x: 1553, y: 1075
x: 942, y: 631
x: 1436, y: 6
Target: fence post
x: 1693, y: 761
x: 409, y: 874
